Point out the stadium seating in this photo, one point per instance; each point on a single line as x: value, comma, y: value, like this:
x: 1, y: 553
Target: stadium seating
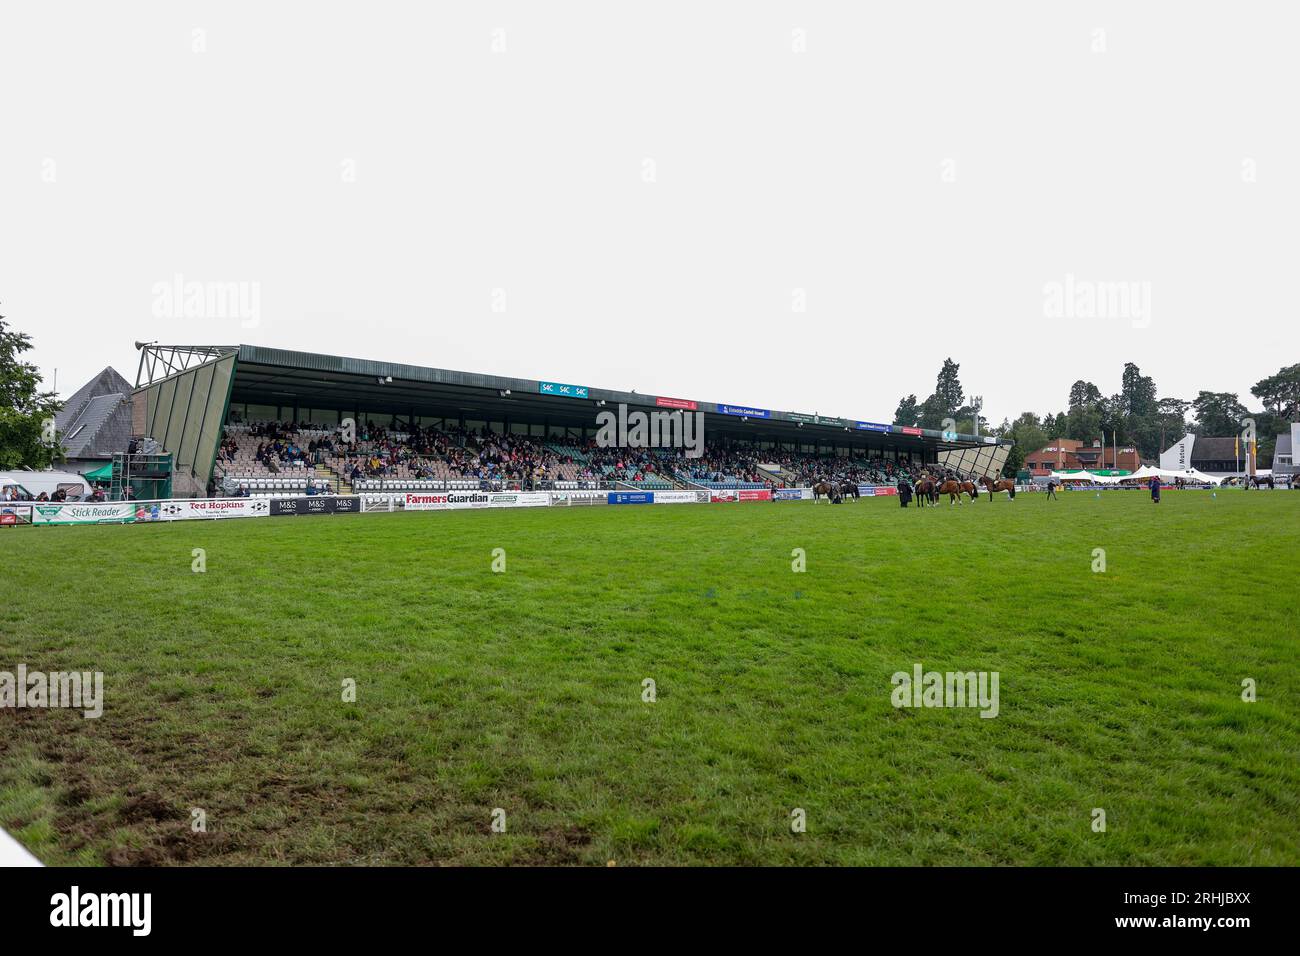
x: 384, y: 461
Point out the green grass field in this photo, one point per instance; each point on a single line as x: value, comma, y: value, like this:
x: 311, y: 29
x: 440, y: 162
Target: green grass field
x: 523, y: 690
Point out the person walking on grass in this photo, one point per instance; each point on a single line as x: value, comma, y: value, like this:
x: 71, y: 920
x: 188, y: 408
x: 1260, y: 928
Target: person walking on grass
x: 1051, y: 488
x: 1155, y: 489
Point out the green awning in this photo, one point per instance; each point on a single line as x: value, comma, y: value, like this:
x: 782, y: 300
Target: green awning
x: 102, y: 473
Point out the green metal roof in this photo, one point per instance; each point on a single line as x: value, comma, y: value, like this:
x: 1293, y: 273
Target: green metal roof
x: 270, y: 372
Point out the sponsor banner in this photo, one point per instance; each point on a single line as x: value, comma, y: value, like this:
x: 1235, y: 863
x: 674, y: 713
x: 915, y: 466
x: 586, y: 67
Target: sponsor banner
x: 443, y: 500
x: 15, y: 514
x: 84, y: 512
x: 316, y: 505
x: 681, y: 497
x: 815, y: 419
x: 755, y: 494
x: 565, y: 499
x: 909, y: 430
x: 631, y: 497
x: 788, y: 494
x: 185, y: 509
x: 873, y: 427
x: 724, y: 495
x: 565, y: 391
x: 683, y: 403
x: 880, y: 490
x: 519, y: 499
x: 745, y: 411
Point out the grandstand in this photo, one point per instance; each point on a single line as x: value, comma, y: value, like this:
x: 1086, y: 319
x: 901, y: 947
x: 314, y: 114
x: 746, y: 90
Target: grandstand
x: 255, y: 420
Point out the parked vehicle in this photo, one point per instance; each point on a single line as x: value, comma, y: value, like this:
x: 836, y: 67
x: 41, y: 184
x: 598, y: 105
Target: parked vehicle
x: 29, y: 484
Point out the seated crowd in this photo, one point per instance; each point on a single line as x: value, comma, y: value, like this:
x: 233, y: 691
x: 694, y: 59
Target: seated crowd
x: 404, y: 453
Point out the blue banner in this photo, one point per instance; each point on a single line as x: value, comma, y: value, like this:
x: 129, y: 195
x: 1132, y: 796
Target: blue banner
x: 873, y: 427
x: 744, y: 411
x: 565, y: 391
x: 631, y: 497
x: 787, y: 494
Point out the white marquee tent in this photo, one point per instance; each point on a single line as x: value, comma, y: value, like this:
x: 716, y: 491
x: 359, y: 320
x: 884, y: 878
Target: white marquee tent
x: 1142, y: 474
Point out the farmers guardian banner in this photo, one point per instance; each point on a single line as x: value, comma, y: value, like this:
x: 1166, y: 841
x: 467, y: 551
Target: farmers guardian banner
x: 444, y: 500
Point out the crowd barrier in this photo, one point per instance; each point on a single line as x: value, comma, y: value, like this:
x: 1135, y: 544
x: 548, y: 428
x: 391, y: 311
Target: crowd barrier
x: 190, y: 509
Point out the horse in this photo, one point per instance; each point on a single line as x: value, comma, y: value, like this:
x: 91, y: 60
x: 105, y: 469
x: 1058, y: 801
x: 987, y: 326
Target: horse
x: 969, y: 488
x: 1002, y: 484
x: 952, y: 489
x: 925, y: 493
x: 823, y: 488
x: 850, y: 489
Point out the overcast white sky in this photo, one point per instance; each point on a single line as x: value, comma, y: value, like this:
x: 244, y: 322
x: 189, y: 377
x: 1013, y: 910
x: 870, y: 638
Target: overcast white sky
x: 920, y: 171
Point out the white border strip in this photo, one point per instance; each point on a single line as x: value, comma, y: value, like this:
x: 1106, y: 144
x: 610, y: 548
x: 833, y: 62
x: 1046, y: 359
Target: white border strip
x: 13, y: 853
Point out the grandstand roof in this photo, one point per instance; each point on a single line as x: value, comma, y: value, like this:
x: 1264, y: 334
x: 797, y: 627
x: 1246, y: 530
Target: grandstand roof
x: 268, y: 376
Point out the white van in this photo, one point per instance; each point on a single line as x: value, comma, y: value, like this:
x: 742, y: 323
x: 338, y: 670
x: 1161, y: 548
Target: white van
x: 29, y: 484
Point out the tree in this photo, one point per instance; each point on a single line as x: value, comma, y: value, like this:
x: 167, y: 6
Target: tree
x: 967, y: 415
x: 948, y: 387
x: 1280, y: 393
x: 1084, y: 422
x: 24, y: 410
x: 1138, y: 392
x: 1218, y: 414
x: 932, y: 412
x: 1029, y: 436
x: 907, y: 412
x: 1083, y: 395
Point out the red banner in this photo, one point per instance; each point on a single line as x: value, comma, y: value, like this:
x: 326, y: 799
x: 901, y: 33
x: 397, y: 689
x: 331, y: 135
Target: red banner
x: 684, y: 403
x: 755, y: 495
x: 908, y: 430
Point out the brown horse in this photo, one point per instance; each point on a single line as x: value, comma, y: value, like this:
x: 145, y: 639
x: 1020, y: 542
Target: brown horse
x: 1002, y: 484
x: 952, y: 489
x: 823, y: 488
x: 969, y: 488
x: 925, y: 491
x: 849, y: 489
